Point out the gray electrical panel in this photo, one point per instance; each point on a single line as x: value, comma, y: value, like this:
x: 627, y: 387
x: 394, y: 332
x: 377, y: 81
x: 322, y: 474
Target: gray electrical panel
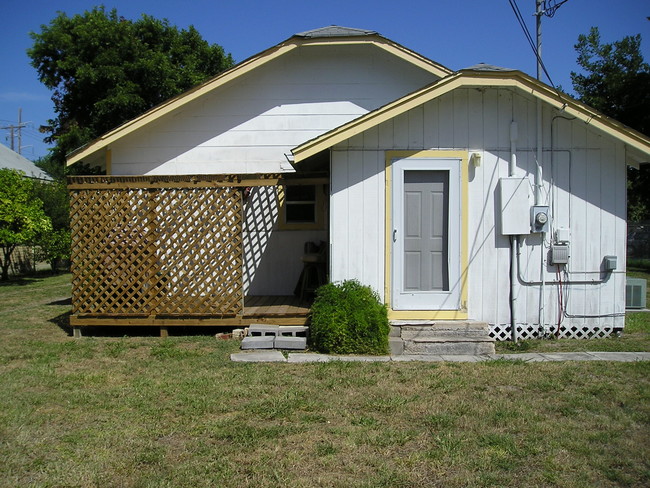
x: 515, y: 206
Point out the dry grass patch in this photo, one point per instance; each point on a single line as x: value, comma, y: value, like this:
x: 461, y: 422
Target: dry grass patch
x: 142, y: 411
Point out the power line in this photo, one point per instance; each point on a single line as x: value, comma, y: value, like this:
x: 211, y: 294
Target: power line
x: 529, y: 37
x: 19, y: 126
x: 551, y: 6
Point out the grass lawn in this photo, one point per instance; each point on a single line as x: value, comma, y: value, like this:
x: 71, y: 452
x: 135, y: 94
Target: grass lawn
x: 139, y: 411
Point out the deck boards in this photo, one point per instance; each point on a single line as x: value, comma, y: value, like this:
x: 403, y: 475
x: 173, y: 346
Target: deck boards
x: 279, y: 310
x: 263, y: 306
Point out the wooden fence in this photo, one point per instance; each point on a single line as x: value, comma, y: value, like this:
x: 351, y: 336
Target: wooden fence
x: 157, y: 246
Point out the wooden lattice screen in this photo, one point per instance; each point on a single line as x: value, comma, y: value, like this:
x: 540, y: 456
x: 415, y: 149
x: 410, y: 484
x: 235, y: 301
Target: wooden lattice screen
x: 152, y: 246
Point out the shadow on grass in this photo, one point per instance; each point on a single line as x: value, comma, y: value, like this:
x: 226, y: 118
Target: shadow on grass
x: 62, y: 321
x: 151, y: 331
x: 22, y: 281
x: 62, y: 301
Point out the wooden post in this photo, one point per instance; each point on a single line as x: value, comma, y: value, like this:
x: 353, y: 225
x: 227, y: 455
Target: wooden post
x: 76, y: 332
x: 164, y: 333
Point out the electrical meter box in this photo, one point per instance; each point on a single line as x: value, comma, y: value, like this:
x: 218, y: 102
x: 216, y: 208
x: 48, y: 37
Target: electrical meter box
x: 540, y: 219
x: 514, y: 206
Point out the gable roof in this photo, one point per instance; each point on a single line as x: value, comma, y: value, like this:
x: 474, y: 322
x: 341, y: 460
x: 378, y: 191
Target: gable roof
x: 335, y: 31
x: 12, y: 160
x: 637, y: 144
x: 332, y: 35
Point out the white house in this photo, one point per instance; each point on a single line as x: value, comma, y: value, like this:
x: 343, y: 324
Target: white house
x: 12, y: 160
x: 479, y: 195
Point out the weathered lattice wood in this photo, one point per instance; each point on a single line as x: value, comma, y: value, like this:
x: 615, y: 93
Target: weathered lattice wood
x: 156, y: 246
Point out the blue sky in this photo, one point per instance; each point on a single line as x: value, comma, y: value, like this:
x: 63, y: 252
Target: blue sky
x: 456, y: 34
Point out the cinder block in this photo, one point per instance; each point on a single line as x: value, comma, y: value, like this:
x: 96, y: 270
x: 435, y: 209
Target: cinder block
x: 256, y: 330
x: 292, y: 331
x: 290, y: 343
x: 259, y: 342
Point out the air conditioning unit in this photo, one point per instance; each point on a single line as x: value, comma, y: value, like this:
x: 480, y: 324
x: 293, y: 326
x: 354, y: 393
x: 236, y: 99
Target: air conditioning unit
x: 635, y: 293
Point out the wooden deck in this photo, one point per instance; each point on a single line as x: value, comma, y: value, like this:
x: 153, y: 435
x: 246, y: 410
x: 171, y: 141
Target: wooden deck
x: 278, y: 310
x: 275, y: 307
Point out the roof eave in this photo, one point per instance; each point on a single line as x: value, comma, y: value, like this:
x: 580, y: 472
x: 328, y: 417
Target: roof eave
x: 472, y: 78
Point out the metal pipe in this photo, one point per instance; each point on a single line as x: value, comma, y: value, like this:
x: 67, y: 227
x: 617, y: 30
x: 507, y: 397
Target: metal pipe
x: 514, y: 240
x: 600, y: 281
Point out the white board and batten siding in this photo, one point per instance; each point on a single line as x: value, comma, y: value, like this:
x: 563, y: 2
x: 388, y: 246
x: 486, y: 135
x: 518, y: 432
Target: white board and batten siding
x: 583, y: 181
x: 249, y: 125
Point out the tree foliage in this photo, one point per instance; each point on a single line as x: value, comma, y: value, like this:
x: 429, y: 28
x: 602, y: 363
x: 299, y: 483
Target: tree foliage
x: 615, y: 81
x: 22, y: 218
x: 104, y: 70
x: 54, y: 246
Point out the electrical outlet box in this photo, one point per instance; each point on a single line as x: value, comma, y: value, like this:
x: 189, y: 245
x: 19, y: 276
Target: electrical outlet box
x: 560, y: 254
x: 540, y: 219
x: 609, y: 263
x: 562, y: 235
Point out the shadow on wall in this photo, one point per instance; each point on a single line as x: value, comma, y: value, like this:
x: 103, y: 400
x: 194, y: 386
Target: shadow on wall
x: 272, y: 257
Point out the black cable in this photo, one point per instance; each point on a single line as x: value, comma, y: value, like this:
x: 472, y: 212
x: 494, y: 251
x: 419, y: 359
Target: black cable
x: 551, y: 6
x: 522, y: 23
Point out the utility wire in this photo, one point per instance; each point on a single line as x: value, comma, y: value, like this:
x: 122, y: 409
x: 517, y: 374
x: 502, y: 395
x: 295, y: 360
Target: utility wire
x: 529, y: 37
x: 551, y: 6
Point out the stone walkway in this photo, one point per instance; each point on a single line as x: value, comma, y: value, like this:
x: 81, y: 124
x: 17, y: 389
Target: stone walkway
x: 306, y: 357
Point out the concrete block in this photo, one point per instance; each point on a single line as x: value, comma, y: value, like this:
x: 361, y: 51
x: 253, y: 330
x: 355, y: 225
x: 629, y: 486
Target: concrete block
x: 395, y: 331
x: 258, y: 342
x: 292, y: 331
x: 396, y: 346
x: 282, y: 342
x: 255, y: 330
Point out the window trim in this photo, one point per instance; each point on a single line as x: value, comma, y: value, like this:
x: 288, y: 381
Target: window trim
x: 319, y: 210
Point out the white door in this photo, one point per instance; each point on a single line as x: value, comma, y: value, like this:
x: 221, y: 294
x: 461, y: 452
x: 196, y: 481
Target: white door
x: 426, y: 234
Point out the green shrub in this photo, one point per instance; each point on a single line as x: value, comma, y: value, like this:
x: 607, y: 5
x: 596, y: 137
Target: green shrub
x: 348, y: 318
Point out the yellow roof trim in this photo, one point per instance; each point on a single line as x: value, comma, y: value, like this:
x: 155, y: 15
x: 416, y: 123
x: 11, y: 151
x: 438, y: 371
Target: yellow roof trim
x: 466, y: 79
x: 240, y: 70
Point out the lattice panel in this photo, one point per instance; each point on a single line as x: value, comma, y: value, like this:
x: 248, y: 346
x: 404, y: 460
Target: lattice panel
x: 157, y: 251
x: 501, y: 332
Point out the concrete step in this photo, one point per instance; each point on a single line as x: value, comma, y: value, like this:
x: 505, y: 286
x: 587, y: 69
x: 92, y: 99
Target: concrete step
x: 446, y: 337
x: 396, y: 346
x: 449, y: 329
x: 450, y: 345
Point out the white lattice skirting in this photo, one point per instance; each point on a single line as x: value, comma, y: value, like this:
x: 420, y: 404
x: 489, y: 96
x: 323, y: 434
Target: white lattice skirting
x: 501, y: 332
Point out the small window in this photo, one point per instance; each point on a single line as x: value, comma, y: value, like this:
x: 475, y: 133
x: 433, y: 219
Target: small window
x: 300, y: 204
x: 302, y: 207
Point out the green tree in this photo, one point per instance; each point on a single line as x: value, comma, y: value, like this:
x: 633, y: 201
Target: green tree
x: 615, y: 81
x: 104, y: 70
x: 22, y: 218
x: 55, y: 245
